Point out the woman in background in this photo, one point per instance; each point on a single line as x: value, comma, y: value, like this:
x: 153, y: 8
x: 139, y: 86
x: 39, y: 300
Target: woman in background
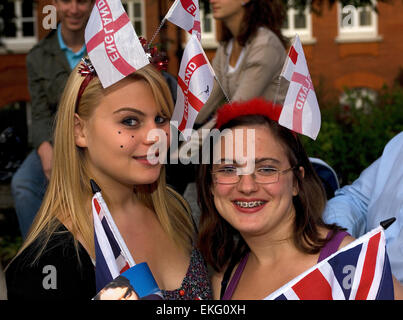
x: 251, y: 53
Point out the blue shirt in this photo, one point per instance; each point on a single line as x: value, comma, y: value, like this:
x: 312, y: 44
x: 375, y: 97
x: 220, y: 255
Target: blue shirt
x: 72, y: 57
x: 375, y: 196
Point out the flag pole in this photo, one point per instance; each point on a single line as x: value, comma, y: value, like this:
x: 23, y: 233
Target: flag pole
x: 386, y: 223
x: 156, y: 32
x: 225, y: 94
x: 161, y: 24
x: 277, y: 89
x: 282, y: 71
x: 213, y: 72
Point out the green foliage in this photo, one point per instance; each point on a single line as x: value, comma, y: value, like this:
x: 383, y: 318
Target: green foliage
x: 352, y: 138
x: 9, y: 247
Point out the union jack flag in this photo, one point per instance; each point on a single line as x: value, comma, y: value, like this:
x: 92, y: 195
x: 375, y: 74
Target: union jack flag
x: 112, y: 256
x: 358, y: 271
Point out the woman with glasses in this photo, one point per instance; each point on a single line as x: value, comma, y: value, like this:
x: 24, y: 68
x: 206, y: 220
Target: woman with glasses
x: 261, y: 222
x: 261, y: 219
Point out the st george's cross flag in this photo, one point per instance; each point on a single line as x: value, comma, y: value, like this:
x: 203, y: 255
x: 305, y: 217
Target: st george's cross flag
x: 300, y: 111
x: 195, y: 83
x: 112, y: 43
x: 186, y: 15
x: 112, y: 257
x: 358, y: 271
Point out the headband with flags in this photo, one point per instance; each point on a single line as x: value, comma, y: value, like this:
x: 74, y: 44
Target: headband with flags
x: 112, y: 43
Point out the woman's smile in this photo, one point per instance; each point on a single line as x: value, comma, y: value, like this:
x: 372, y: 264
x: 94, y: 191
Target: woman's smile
x: 249, y: 205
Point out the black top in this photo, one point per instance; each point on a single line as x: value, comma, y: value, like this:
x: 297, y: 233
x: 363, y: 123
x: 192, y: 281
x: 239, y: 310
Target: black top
x: 58, y: 274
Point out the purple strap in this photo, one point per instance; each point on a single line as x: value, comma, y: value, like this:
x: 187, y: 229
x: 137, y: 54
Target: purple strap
x: 235, y: 279
x: 333, y: 245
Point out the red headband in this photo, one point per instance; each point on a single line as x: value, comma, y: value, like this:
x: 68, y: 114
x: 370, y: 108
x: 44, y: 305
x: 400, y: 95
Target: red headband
x: 86, y: 70
x: 256, y: 106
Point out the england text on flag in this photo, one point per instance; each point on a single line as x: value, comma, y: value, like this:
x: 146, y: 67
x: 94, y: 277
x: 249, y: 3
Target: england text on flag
x: 300, y: 111
x: 195, y: 82
x: 186, y: 15
x: 359, y: 271
x: 112, y: 256
x: 112, y: 43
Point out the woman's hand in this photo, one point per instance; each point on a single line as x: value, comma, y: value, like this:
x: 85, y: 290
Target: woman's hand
x: 45, y: 152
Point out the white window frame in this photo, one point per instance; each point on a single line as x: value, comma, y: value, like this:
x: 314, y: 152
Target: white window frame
x: 21, y: 43
x: 305, y: 34
x: 359, y: 94
x: 209, y: 39
x: 354, y: 32
x: 133, y: 19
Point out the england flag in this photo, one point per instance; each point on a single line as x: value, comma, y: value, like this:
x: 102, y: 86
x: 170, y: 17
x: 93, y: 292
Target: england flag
x: 186, y: 15
x: 195, y: 83
x: 300, y: 108
x: 358, y: 271
x: 112, y: 43
x: 112, y: 257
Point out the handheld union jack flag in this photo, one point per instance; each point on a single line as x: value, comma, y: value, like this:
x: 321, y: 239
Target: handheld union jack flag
x: 112, y: 257
x: 358, y: 271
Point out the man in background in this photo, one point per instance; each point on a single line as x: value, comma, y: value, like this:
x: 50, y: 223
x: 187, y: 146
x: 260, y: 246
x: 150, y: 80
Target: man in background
x: 49, y: 64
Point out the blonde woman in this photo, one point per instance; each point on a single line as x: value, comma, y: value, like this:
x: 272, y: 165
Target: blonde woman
x: 101, y: 134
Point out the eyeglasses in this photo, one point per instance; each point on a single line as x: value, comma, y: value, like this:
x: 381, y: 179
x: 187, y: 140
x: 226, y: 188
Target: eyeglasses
x: 263, y: 175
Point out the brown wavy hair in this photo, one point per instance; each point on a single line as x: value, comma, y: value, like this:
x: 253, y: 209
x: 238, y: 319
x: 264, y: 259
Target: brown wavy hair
x: 219, y: 242
x: 259, y: 13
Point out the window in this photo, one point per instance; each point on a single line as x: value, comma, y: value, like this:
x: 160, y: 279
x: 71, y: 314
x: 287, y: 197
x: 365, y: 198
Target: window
x: 208, y: 28
x: 359, y: 98
x: 298, y: 22
x: 357, y: 23
x: 208, y: 31
x: 18, y: 25
x: 135, y: 11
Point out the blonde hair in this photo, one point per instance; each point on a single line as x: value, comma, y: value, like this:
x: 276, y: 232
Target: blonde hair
x: 68, y: 194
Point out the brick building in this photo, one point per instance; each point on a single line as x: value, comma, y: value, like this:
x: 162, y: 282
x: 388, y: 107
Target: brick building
x: 357, y: 49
